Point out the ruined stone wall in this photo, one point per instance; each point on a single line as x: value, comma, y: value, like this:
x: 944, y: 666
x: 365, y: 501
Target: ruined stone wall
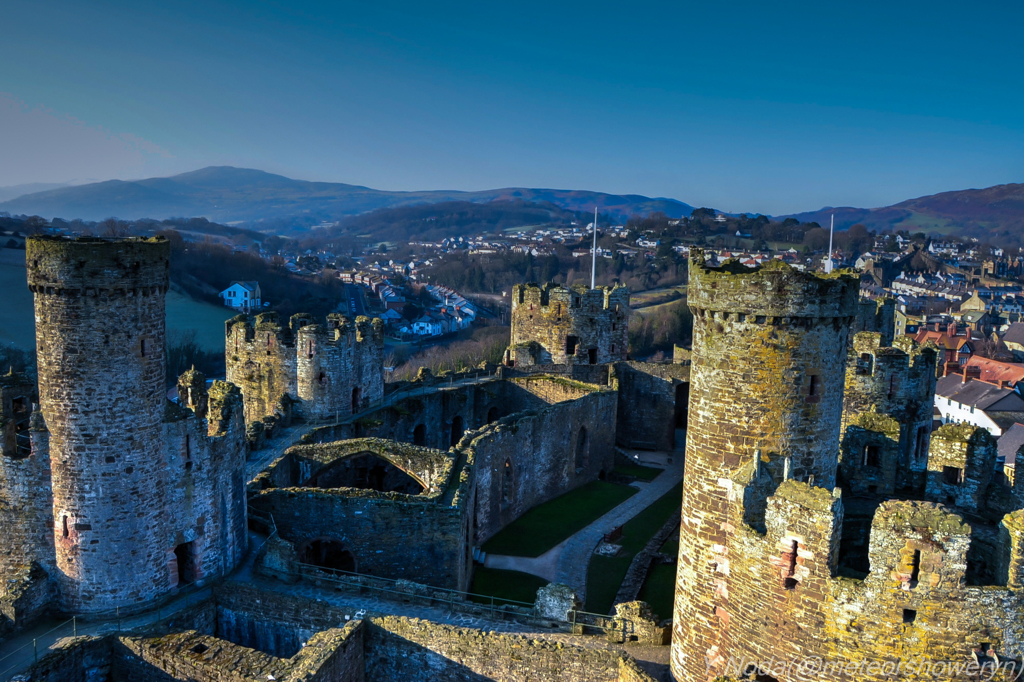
x: 961, y: 463
x: 780, y: 602
x: 653, y: 403
x: 898, y: 382
x: 26, y: 501
x: 205, y: 486
x: 407, y: 648
x: 99, y: 309
x: 877, y: 315
x: 423, y: 538
x: 556, y: 325
x: 431, y: 419
x: 765, y: 401
x: 870, y: 456
x: 133, y: 476
x: 261, y: 360
x: 341, y: 367
x: 531, y: 457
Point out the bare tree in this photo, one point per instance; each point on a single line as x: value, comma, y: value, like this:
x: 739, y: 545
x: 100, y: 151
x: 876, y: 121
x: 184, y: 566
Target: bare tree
x: 112, y: 227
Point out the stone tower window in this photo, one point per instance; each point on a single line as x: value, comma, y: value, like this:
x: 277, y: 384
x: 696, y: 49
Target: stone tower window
x: 814, y: 388
x: 915, y: 567
x: 142, y: 347
x: 871, y: 458
x: 952, y: 475
x: 892, y: 384
x: 506, y: 483
x: 64, y: 524
x: 789, y: 580
x: 570, y: 345
x: 909, y: 615
x: 865, y: 364
x: 188, y: 452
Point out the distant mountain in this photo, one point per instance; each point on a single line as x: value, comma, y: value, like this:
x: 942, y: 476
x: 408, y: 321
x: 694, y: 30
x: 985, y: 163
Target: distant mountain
x: 14, y: 191
x: 995, y: 213
x: 227, y: 194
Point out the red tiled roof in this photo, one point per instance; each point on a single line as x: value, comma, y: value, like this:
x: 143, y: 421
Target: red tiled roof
x: 994, y: 371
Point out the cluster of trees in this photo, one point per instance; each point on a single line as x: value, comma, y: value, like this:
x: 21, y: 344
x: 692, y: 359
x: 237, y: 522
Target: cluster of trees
x: 655, y: 331
x: 204, y: 269
x: 485, y: 344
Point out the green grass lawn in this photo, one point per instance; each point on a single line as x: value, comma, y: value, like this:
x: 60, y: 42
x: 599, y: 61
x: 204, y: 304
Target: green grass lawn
x: 184, y: 313
x: 659, y: 589
x: 605, y: 575
x: 506, y: 585
x: 546, y: 525
x: 641, y: 473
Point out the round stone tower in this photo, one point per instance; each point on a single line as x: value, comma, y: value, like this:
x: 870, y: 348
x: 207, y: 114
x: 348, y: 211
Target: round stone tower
x: 99, y: 307
x: 766, y: 396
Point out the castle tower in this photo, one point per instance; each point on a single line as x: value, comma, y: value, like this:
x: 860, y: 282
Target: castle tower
x: 555, y: 325
x: 25, y: 503
x: 99, y: 307
x: 766, y: 396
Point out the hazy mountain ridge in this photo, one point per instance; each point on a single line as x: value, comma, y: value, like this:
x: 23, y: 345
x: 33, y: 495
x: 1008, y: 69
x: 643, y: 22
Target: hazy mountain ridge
x: 226, y: 194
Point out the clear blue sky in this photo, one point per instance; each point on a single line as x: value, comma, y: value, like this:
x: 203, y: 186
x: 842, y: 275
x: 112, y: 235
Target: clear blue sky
x: 744, y: 106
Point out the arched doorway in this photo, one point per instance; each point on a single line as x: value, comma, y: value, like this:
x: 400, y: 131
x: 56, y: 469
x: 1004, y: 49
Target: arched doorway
x: 356, y: 396
x: 327, y: 553
x: 419, y: 435
x: 581, y: 454
x: 492, y: 415
x: 457, y: 430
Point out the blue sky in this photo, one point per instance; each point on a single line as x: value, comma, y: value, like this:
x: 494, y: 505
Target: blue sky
x: 744, y: 106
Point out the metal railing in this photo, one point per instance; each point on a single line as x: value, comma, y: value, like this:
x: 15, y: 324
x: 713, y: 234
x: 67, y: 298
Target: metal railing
x: 41, y: 643
x: 454, y: 599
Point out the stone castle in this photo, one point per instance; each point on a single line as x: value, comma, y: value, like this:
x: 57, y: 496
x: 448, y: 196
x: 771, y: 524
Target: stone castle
x: 821, y: 517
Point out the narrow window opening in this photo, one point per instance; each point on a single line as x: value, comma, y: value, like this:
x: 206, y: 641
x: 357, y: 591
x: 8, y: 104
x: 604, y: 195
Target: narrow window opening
x: 915, y: 567
x: 790, y: 581
x: 506, y: 482
x: 909, y: 615
x: 952, y: 475
x: 892, y: 385
x: 64, y: 523
x: 356, y: 398
x: 814, y: 388
x: 142, y: 347
x: 592, y: 355
x: 183, y: 553
x: 570, y: 345
x: 865, y: 364
x: 188, y: 452
x: 871, y: 458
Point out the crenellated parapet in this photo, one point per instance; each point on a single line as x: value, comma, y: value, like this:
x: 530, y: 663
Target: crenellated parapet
x: 319, y: 370
x: 554, y: 324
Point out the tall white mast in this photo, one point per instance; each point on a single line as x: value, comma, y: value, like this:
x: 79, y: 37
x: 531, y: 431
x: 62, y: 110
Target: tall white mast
x: 831, y: 231
x: 593, y: 254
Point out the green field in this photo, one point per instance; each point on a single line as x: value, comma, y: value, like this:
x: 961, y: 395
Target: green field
x: 546, y: 525
x: 17, y: 321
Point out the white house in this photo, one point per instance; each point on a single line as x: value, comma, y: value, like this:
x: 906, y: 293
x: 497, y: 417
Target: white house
x: 976, y: 402
x: 243, y: 295
x: 427, y: 325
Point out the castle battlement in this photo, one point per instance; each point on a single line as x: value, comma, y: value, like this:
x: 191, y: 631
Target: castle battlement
x: 773, y: 290
x: 331, y: 369
x: 557, y: 325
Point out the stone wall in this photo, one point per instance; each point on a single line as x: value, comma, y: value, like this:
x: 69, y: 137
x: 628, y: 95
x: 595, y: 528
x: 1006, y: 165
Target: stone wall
x: 341, y: 367
x: 961, y: 463
x: 556, y: 325
x: 422, y: 538
x: 531, y: 457
x: 653, y: 403
x: 899, y: 382
x: 26, y: 500
x: 410, y: 649
x: 765, y: 402
x: 333, y: 370
x: 877, y: 315
x: 261, y: 360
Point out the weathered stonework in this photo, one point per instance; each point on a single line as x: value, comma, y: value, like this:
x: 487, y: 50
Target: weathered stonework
x: 139, y: 485
x: 556, y: 325
x: 876, y: 316
x: 898, y: 382
x: 332, y: 370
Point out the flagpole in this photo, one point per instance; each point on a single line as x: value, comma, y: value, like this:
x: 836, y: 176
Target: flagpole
x: 593, y: 253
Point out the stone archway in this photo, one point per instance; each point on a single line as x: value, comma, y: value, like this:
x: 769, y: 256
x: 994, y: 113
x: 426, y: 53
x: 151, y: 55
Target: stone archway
x: 327, y: 553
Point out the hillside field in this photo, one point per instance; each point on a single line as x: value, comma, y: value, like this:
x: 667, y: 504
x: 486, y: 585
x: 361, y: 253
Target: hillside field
x: 17, y: 322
